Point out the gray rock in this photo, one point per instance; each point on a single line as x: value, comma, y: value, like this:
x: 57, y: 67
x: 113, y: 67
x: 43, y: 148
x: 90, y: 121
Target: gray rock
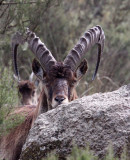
x: 97, y: 120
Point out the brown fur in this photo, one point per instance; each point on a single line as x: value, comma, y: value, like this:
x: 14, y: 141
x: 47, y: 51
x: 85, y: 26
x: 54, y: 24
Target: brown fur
x: 11, y: 144
x: 42, y: 106
x: 61, y: 71
x: 26, y: 90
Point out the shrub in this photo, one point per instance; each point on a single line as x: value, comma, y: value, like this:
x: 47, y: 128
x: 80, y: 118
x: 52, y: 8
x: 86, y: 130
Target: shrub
x: 8, y: 100
x: 87, y: 154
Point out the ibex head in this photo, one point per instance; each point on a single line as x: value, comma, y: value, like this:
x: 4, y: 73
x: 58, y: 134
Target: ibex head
x: 26, y: 89
x: 60, y: 78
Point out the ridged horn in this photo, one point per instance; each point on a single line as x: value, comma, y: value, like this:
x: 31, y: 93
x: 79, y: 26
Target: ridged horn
x: 40, y: 50
x: 16, y: 40
x: 93, y: 36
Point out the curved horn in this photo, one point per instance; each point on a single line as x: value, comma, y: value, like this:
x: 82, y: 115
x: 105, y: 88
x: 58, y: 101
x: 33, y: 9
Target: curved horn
x: 16, y: 40
x: 39, y: 49
x: 93, y: 36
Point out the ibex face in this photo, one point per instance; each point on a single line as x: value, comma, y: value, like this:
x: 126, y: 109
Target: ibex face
x: 26, y: 90
x: 59, y: 81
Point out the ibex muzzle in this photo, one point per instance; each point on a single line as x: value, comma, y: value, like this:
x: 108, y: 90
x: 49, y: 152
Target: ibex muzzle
x: 60, y: 92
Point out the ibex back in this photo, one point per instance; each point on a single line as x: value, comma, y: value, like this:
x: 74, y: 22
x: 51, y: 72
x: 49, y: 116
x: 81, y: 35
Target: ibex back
x: 59, y: 80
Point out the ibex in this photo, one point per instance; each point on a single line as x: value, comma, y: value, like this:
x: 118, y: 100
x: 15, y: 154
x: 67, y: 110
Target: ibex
x: 59, y: 80
x: 26, y: 91
x: 26, y: 88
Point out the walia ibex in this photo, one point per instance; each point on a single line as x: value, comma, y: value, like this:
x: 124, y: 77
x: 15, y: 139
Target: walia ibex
x: 26, y: 88
x: 26, y: 92
x: 59, y: 80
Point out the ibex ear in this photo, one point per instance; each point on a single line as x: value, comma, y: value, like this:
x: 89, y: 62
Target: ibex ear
x: 38, y: 70
x: 82, y: 69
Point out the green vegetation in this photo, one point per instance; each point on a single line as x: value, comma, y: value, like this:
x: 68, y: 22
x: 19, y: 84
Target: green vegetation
x: 10, y: 122
x: 80, y: 154
x: 87, y: 154
x: 8, y: 100
x: 8, y: 88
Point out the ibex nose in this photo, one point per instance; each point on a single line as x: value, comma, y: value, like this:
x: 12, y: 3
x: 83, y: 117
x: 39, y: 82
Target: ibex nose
x: 59, y: 99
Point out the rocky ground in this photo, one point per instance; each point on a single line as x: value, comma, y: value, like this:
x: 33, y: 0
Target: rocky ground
x: 99, y: 120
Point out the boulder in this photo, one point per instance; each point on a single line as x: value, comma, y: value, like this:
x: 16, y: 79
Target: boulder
x: 97, y: 120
